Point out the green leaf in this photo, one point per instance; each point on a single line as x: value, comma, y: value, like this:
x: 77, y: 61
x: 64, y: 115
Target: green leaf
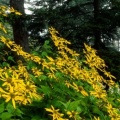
x: 36, y: 117
x: 1, y: 45
x: 10, y: 108
x: 5, y: 64
x: 33, y: 77
x: 44, y: 54
x: 46, y: 90
x: 66, y: 105
x: 2, y: 107
x: 97, y: 111
x: 79, y: 109
x: 35, y: 53
x: 43, y: 77
x: 46, y: 42
x: 11, y: 58
x: 30, y: 64
x: 73, y: 105
x: 18, y: 112
x: 59, y: 75
x: 6, y: 116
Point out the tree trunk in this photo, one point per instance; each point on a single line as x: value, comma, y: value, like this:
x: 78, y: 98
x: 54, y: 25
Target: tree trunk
x: 97, y: 32
x: 19, y: 29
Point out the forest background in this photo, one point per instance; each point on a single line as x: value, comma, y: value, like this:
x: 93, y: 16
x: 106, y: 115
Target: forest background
x: 94, y: 22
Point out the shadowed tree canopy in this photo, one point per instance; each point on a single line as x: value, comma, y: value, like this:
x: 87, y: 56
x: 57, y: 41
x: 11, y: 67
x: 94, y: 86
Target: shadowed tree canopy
x: 93, y: 21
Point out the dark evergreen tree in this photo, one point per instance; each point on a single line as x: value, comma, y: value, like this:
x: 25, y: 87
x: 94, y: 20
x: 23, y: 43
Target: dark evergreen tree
x: 18, y: 24
x: 79, y: 21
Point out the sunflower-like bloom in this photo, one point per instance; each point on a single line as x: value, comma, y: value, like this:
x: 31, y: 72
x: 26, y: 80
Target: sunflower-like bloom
x: 55, y: 113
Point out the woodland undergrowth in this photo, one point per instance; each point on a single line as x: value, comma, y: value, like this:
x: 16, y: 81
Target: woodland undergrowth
x: 59, y: 86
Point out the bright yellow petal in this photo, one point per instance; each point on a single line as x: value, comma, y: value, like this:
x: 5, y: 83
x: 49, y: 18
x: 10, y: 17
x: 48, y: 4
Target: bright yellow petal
x: 13, y: 102
x: 8, y: 99
x: 49, y: 109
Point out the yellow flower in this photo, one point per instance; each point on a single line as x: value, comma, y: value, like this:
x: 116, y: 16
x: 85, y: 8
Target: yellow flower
x: 67, y: 84
x: 30, y: 87
x: 9, y: 95
x: 17, y: 87
x: 3, y: 28
x: 72, y: 114
x: 31, y: 90
x: 7, y: 80
x: 108, y: 74
x: 52, y: 69
x: 110, y: 109
x: 95, y: 118
x: 36, y: 72
x: 114, y: 116
x: 99, y: 93
x: 17, y: 13
x: 3, y: 7
x: 51, y: 75
x: 12, y: 9
x: 12, y: 80
x: 50, y: 59
x: 55, y: 113
x: 24, y: 99
x: 92, y: 59
x: 80, y: 89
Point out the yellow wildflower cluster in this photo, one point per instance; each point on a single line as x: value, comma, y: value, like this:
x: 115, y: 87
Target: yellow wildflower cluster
x: 56, y: 115
x: 17, y: 85
x: 92, y: 59
x: 68, y: 64
x: 71, y: 65
x: 18, y: 49
x: 96, y: 81
x: 77, y: 88
x: 4, y: 10
x: 3, y: 28
x: 37, y: 72
x: 72, y: 114
x: 113, y: 112
x: 61, y: 44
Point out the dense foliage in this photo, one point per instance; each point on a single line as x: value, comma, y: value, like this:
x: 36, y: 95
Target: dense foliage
x: 112, y: 60
x: 59, y: 86
x: 77, y: 20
